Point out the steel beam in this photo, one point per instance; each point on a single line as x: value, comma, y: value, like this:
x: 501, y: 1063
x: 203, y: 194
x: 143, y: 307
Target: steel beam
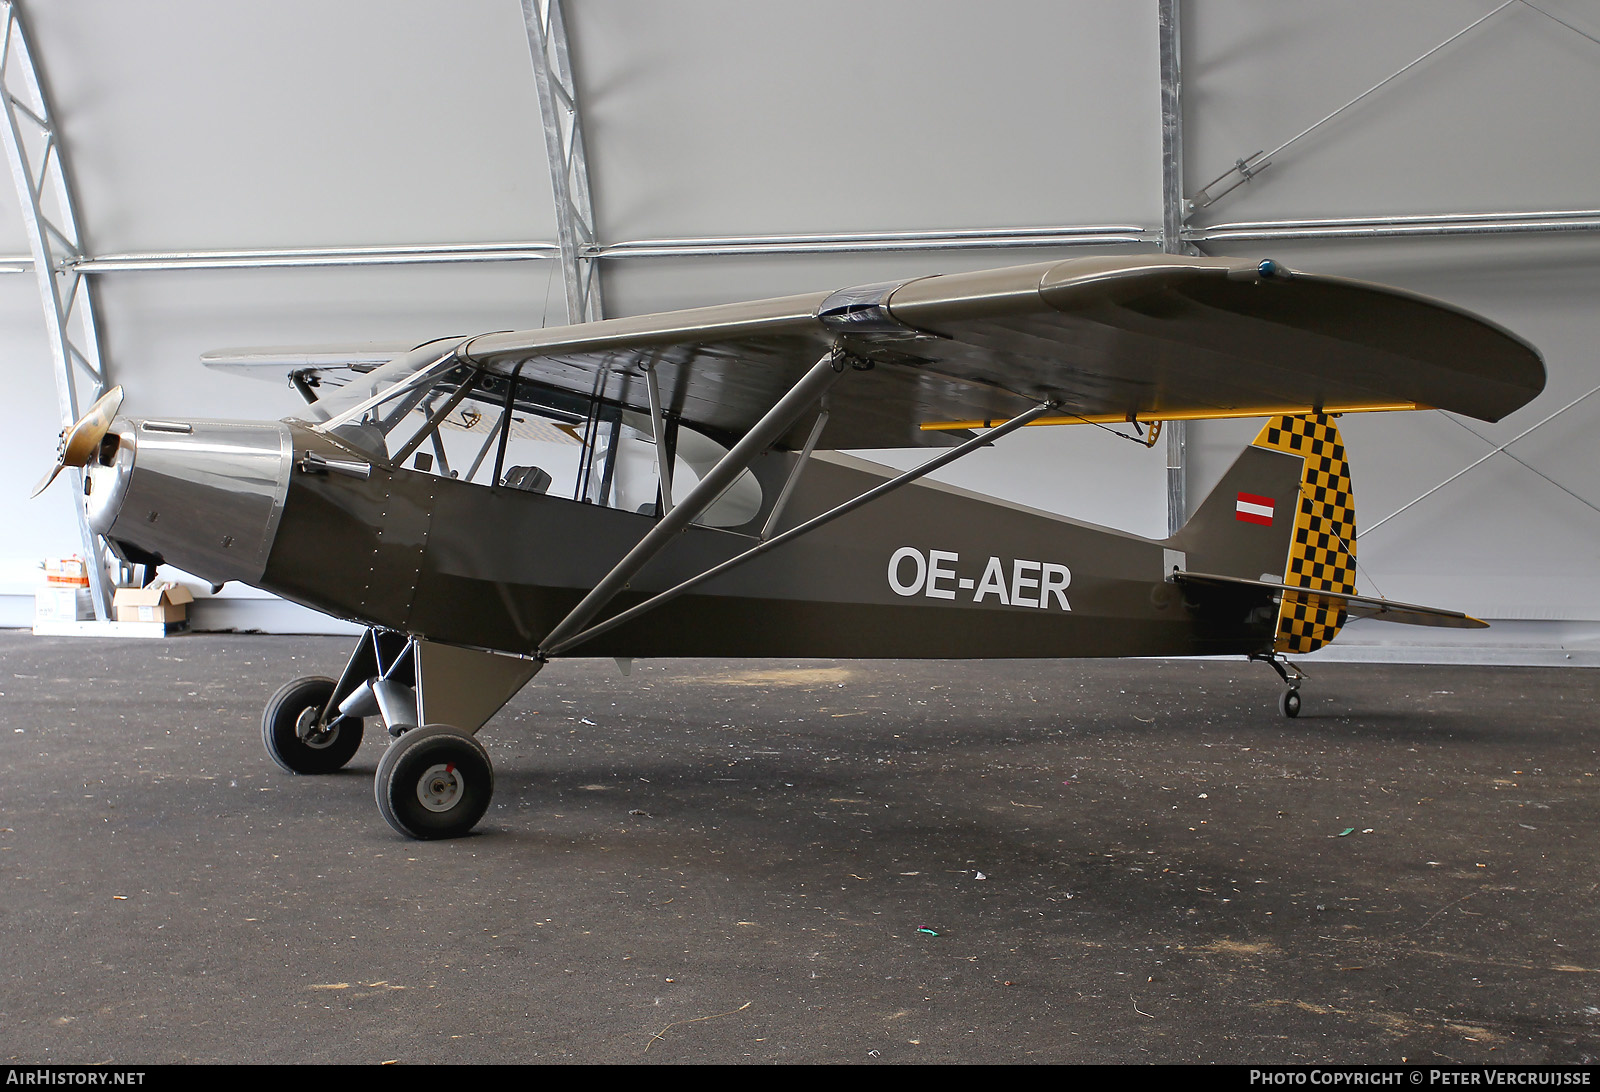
x: 880, y: 241
x: 412, y: 254
x: 37, y: 157
x: 1419, y: 225
x: 1174, y: 215
x: 693, y: 247
x: 1363, y: 227
x: 1368, y: 227
x: 569, y: 168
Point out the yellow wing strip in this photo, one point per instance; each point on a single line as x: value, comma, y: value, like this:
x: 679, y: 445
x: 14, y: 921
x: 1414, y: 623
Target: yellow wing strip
x: 1180, y: 415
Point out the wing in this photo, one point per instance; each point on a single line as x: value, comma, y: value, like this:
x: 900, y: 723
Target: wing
x: 1111, y: 338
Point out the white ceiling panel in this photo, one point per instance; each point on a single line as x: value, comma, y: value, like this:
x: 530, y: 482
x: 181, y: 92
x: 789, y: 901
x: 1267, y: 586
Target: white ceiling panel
x: 296, y: 123
x: 715, y: 117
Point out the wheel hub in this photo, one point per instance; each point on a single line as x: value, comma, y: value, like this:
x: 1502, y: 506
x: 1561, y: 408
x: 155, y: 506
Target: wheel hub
x: 311, y: 733
x: 440, y: 787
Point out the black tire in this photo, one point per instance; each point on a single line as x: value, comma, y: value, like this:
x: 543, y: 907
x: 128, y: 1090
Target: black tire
x: 1289, y: 703
x: 434, y: 782
x: 280, y: 723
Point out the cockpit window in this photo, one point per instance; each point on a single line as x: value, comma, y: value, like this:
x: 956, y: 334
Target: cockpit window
x: 427, y: 412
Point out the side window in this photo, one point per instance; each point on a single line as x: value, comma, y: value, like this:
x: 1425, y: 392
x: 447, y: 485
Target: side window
x: 636, y: 478
x: 453, y: 420
x: 542, y: 455
x: 697, y: 454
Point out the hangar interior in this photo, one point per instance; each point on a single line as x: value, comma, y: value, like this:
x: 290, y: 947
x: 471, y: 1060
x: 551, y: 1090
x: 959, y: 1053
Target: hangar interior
x: 869, y: 861
x: 307, y: 173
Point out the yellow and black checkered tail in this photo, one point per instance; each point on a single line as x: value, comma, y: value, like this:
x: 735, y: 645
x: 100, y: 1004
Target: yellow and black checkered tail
x: 1322, y: 548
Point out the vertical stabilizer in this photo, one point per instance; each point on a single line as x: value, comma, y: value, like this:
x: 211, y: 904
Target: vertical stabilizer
x: 1283, y: 513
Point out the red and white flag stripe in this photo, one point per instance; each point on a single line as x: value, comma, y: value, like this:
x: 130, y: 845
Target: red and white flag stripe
x: 1254, y: 508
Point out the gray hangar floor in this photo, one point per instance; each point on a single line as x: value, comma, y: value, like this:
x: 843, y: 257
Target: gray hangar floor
x: 869, y: 862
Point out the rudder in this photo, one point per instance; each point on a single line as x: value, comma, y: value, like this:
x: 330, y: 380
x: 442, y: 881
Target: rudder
x: 1322, y: 547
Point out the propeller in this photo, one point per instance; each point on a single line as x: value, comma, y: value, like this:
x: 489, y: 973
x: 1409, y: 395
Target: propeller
x: 79, y: 442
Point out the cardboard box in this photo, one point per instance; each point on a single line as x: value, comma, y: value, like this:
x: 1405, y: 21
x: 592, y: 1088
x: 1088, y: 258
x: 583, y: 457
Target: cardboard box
x: 62, y: 604
x: 66, y: 572
x: 162, y: 602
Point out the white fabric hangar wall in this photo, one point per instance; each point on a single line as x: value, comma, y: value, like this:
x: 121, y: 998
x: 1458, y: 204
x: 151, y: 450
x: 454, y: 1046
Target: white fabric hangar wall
x: 197, y: 126
x: 1494, y: 122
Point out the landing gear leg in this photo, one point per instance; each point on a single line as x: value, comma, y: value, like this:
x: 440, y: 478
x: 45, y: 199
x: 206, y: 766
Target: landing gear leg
x: 433, y: 781
x: 1292, y: 676
x: 313, y: 726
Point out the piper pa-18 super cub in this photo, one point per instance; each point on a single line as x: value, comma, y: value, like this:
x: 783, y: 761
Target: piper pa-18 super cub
x: 706, y: 507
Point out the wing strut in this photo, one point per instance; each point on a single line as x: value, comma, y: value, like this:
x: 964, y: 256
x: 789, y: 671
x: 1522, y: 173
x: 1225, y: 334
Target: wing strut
x: 794, y: 475
x: 658, y: 433
x: 555, y: 647
x: 778, y: 420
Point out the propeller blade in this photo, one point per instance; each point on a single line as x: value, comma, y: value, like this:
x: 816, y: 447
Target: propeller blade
x: 44, y: 482
x: 78, y: 443
x: 91, y: 428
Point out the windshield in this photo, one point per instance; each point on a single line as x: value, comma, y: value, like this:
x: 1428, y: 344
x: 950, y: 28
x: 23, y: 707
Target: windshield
x: 352, y: 402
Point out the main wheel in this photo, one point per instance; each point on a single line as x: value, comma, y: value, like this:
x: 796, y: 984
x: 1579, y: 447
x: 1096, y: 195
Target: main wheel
x: 1289, y: 703
x: 434, y: 782
x: 293, y: 737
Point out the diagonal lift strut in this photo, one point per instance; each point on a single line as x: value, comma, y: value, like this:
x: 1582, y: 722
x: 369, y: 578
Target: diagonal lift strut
x: 806, y: 392
x: 555, y: 647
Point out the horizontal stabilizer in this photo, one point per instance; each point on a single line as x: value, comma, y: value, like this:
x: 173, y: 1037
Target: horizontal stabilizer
x: 1357, y: 606
x: 278, y: 362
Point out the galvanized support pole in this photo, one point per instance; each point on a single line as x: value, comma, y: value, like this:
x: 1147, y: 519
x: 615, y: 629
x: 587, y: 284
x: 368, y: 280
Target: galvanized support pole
x: 38, y: 168
x: 1174, y: 211
x: 569, y: 169
x: 1412, y: 225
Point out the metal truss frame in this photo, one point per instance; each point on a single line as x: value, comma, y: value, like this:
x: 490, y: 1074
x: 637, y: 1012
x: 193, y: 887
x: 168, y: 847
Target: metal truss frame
x: 569, y: 167
x: 1174, y: 211
x: 38, y: 168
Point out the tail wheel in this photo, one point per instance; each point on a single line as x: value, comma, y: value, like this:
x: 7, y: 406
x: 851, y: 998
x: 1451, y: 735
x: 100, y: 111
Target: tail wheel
x: 293, y: 733
x: 434, y: 782
x: 1289, y: 702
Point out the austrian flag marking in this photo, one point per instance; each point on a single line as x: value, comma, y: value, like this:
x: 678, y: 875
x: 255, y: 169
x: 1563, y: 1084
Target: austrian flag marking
x: 1253, y: 508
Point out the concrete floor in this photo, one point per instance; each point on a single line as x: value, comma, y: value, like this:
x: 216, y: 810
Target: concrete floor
x: 809, y: 862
